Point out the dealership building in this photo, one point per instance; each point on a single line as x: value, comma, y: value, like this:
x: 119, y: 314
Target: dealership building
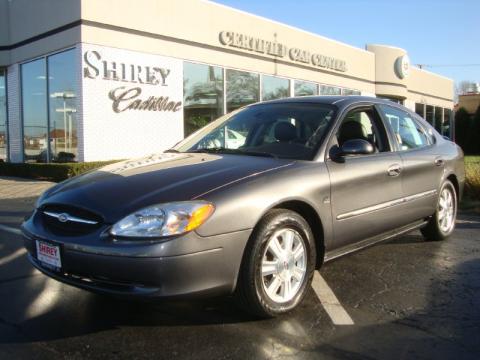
x: 87, y: 80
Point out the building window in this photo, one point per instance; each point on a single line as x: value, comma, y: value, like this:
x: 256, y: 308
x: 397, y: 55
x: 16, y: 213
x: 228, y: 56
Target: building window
x: 3, y: 117
x: 203, y: 95
x: 274, y: 88
x: 34, y: 111
x: 429, y: 114
x: 438, y: 118
x: 49, y: 122
x: 350, y: 92
x: 330, y: 90
x: 243, y: 88
x: 62, y: 107
x: 305, y: 88
x: 447, y: 123
x: 420, y: 109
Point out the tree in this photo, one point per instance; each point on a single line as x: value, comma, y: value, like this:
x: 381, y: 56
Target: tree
x: 475, y: 132
x: 462, y: 129
x: 464, y: 87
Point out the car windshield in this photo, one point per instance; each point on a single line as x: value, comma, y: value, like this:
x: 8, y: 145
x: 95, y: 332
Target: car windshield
x: 283, y: 130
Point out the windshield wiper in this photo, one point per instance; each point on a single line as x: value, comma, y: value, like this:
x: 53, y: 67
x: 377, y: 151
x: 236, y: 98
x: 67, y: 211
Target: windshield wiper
x: 171, y: 151
x: 258, y: 153
x: 220, y: 150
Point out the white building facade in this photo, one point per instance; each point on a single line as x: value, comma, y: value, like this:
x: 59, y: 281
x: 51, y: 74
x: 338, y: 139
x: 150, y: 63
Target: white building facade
x: 107, y: 80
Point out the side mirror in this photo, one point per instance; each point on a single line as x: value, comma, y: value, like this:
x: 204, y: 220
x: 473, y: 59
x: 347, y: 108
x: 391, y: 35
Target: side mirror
x: 351, y: 147
x: 357, y: 147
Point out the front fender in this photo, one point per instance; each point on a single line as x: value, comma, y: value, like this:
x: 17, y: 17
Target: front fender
x: 241, y: 205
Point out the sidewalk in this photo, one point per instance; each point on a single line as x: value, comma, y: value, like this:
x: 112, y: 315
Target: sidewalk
x: 17, y: 198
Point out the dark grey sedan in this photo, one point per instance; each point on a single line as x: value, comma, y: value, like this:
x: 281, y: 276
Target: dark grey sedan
x: 251, y: 204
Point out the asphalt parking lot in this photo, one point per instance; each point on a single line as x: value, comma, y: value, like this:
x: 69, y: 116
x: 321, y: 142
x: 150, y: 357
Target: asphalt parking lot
x: 407, y: 299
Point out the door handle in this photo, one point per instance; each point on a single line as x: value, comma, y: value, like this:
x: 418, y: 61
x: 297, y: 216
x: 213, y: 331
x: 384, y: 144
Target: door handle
x: 394, y: 170
x: 439, y: 162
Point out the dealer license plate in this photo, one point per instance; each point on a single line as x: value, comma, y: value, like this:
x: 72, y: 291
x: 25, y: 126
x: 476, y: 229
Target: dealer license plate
x: 49, y: 255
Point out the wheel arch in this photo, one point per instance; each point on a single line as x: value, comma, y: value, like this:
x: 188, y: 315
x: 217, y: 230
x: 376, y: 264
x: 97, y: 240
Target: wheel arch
x: 313, y: 219
x: 453, y: 179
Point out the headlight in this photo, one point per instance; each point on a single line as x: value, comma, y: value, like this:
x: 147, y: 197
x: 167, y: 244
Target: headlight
x: 164, y: 219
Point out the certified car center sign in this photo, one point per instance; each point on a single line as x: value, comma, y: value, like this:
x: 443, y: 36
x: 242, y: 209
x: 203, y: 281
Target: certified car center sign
x: 132, y: 102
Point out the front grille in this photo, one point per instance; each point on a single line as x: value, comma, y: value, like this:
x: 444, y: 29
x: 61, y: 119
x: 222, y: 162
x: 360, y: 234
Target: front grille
x: 69, y: 227
x: 96, y: 283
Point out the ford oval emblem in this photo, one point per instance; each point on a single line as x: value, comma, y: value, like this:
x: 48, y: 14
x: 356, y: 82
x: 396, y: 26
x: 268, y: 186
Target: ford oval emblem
x: 63, y: 217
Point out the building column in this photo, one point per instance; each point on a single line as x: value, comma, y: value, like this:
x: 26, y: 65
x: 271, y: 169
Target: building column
x: 14, y: 111
x: 410, y: 104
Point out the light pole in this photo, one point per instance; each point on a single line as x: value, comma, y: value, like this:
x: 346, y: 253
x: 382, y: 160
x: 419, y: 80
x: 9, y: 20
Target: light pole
x: 65, y: 111
x: 65, y: 95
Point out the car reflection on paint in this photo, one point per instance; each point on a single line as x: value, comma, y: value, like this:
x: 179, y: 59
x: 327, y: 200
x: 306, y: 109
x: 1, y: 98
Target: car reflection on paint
x: 294, y: 183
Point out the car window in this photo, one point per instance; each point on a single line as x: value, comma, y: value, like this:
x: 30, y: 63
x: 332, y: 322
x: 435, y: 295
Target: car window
x: 366, y: 125
x: 231, y: 135
x: 408, y: 132
x: 290, y: 130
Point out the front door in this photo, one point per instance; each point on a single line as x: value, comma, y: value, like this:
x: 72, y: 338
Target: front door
x: 364, y: 188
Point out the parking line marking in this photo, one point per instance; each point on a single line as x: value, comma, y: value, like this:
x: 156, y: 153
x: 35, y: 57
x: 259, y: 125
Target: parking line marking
x: 12, y: 256
x: 467, y: 222
x: 332, y: 306
x: 10, y: 229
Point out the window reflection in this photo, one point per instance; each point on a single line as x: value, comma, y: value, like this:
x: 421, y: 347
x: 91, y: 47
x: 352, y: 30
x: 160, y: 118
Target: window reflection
x: 34, y: 111
x: 447, y: 120
x: 420, y: 109
x: 429, y: 114
x: 62, y: 106
x: 330, y: 90
x: 3, y: 116
x: 50, y: 135
x: 203, y: 95
x: 305, y: 88
x: 438, y: 118
x: 285, y: 130
x: 274, y: 88
x: 242, y: 89
x: 350, y: 92
x: 408, y: 132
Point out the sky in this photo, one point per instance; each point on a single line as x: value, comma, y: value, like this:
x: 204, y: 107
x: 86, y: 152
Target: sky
x: 433, y: 32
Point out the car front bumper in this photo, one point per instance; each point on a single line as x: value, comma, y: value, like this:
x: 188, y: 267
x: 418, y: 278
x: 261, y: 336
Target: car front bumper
x: 153, y: 271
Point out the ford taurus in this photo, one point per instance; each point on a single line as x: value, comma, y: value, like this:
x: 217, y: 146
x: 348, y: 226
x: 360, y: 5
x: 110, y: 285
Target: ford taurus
x: 312, y: 179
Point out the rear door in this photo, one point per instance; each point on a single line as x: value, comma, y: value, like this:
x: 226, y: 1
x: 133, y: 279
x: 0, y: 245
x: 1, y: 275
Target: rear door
x: 364, y: 188
x: 422, y: 166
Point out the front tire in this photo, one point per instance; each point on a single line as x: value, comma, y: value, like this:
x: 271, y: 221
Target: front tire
x: 277, y: 265
x: 442, y: 223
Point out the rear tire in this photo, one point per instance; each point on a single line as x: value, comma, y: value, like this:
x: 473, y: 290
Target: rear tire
x: 442, y: 223
x: 277, y: 265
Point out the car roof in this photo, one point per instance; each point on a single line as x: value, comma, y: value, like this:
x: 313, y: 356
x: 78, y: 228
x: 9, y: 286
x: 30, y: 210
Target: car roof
x: 339, y: 101
x: 342, y: 102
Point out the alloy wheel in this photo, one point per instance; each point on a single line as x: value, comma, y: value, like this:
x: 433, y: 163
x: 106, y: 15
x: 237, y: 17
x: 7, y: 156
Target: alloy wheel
x: 446, y: 210
x: 284, y: 265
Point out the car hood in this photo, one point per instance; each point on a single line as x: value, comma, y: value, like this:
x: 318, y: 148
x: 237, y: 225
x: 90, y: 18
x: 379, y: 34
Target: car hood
x: 116, y: 190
